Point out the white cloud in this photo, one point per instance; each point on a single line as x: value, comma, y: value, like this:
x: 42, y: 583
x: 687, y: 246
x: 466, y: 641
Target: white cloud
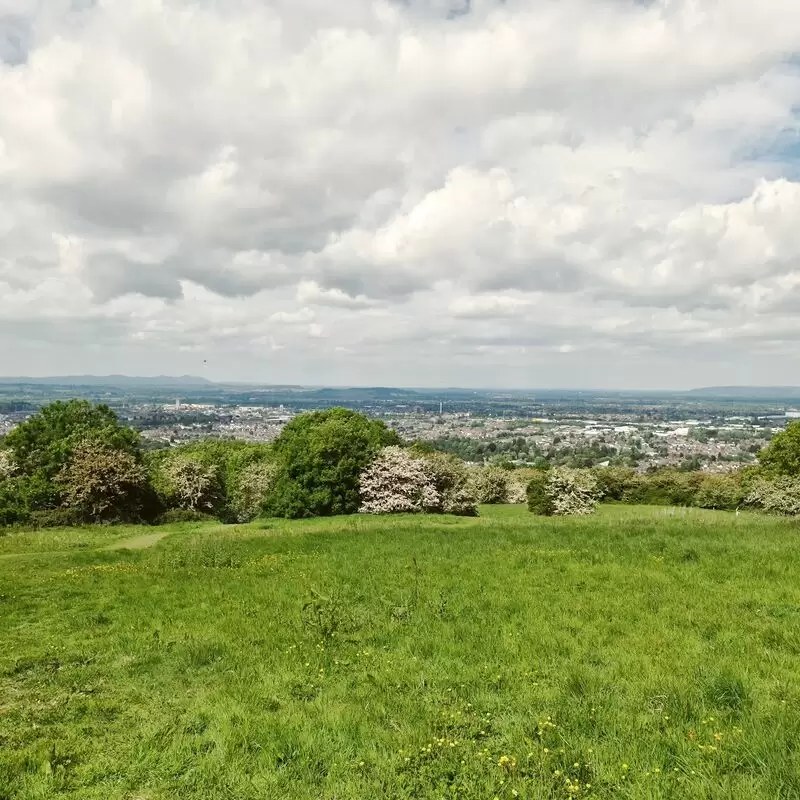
x: 583, y: 192
x: 480, y: 306
x: 312, y: 293
x: 304, y: 315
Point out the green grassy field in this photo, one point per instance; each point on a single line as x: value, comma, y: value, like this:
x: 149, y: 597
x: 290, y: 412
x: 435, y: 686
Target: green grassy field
x: 633, y: 654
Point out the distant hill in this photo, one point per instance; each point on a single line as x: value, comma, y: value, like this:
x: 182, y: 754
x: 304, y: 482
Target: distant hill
x: 121, y: 381
x: 344, y: 394
x: 765, y: 392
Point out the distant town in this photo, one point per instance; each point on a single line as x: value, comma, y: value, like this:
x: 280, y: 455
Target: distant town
x: 715, y: 430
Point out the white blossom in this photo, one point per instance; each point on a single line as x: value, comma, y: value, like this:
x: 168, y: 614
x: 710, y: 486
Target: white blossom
x: 778, y: 496
x: 7, y: 466
x: 396, y: 483
x: 194, y: 485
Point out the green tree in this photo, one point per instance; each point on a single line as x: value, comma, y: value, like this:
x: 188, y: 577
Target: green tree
x: 451, y: 479
x: 252, y: 486
x: 242, y: 473
x: 42, y: 445
x: 490, y: 485
x: 103, y: 484
x: 539, y: 500
x: 191, y: 485
x: 320, y: 457
x: 13, y: 502
x: 782, y: 455
x: 722, y: 492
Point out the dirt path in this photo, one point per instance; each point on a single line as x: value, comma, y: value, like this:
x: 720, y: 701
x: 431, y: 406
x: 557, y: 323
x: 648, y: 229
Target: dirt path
x: 138, y: 542
x: 141, y: 542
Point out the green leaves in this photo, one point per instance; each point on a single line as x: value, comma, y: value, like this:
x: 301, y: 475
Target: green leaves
x: 782, y: 455
x: 42, y: 453
x: 320, y: 457
x: 43, y: 444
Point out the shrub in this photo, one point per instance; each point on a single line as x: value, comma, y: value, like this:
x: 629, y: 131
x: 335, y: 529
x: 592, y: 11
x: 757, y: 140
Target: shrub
x: 13, y: 508
x: 490, y: 485
x: 320, y: 458
x: 54, y: 518
x: 252, y: 486
x: 450, y: 479
x: 539, y: 500
x: 191, y: 485
x: 563, y: 492
x: 722, y: 492
x: 177, y: 515
x: 396, y: 483
x: 664, y: 487
x: 230, y: 457
x: 240, y: 474
x: 782, y: 454
x: 614, y: 483
x: 517, y: 490
x: 102, y: 484
x: 7, y: 465
x: 778, y: 496
x: 43, y: 444
x: 21, y: 495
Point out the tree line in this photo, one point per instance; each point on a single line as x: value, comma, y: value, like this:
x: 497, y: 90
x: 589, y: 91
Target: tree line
x: 74, y: 462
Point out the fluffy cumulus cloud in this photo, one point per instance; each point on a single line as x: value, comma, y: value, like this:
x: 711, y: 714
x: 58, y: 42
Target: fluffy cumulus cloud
x: 494, y: 192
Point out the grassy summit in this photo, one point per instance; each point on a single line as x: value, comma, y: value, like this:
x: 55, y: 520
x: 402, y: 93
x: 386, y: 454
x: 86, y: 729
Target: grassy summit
x: 632, y: 654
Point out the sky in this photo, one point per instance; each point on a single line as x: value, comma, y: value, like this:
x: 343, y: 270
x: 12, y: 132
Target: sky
x: 507, y: 193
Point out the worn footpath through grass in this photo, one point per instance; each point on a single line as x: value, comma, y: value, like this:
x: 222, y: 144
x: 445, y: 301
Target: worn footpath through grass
x: 633, y: 654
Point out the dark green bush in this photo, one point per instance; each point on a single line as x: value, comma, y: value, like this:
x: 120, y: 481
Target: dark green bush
x: 782, y: 454
x: 320, y: 458
x: 54, y: 518
x: 539, y: 500
x: 664, y: 487
x: 217, y: 476
x: 176, y: 515
x: 721, y: 492
x: 614, y: 482
x: 13, y: 507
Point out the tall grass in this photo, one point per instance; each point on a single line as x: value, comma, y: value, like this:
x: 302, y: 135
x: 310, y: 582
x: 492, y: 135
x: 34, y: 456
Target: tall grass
x: 632, y: 654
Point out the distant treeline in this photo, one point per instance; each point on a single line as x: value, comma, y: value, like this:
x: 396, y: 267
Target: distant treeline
x: 74, y: 462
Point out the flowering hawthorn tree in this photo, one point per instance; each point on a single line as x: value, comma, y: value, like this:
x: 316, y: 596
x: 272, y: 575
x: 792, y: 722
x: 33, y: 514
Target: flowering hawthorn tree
x: 490, y: 485
x: 101, y: 483
x: 778, y: 496
x: 251, y: 489
x: 450, y: 478
x: 194, y: 486
x: 7, y: 467
x: 563, y: 492
x: 396, y: 483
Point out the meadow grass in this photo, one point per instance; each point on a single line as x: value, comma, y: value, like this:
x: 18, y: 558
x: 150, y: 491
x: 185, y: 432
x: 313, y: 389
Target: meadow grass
x: 636, y: 653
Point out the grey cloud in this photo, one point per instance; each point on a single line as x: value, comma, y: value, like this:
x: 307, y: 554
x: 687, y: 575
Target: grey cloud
x: 374, y: 281
x: 111, y: 275
x: 688, y: 301
x: 546, y: 274
x: 788, y: 302
x: 72, y: 332
x: 122, y: 204
x: 15, y: 39
x: 232, y: 274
